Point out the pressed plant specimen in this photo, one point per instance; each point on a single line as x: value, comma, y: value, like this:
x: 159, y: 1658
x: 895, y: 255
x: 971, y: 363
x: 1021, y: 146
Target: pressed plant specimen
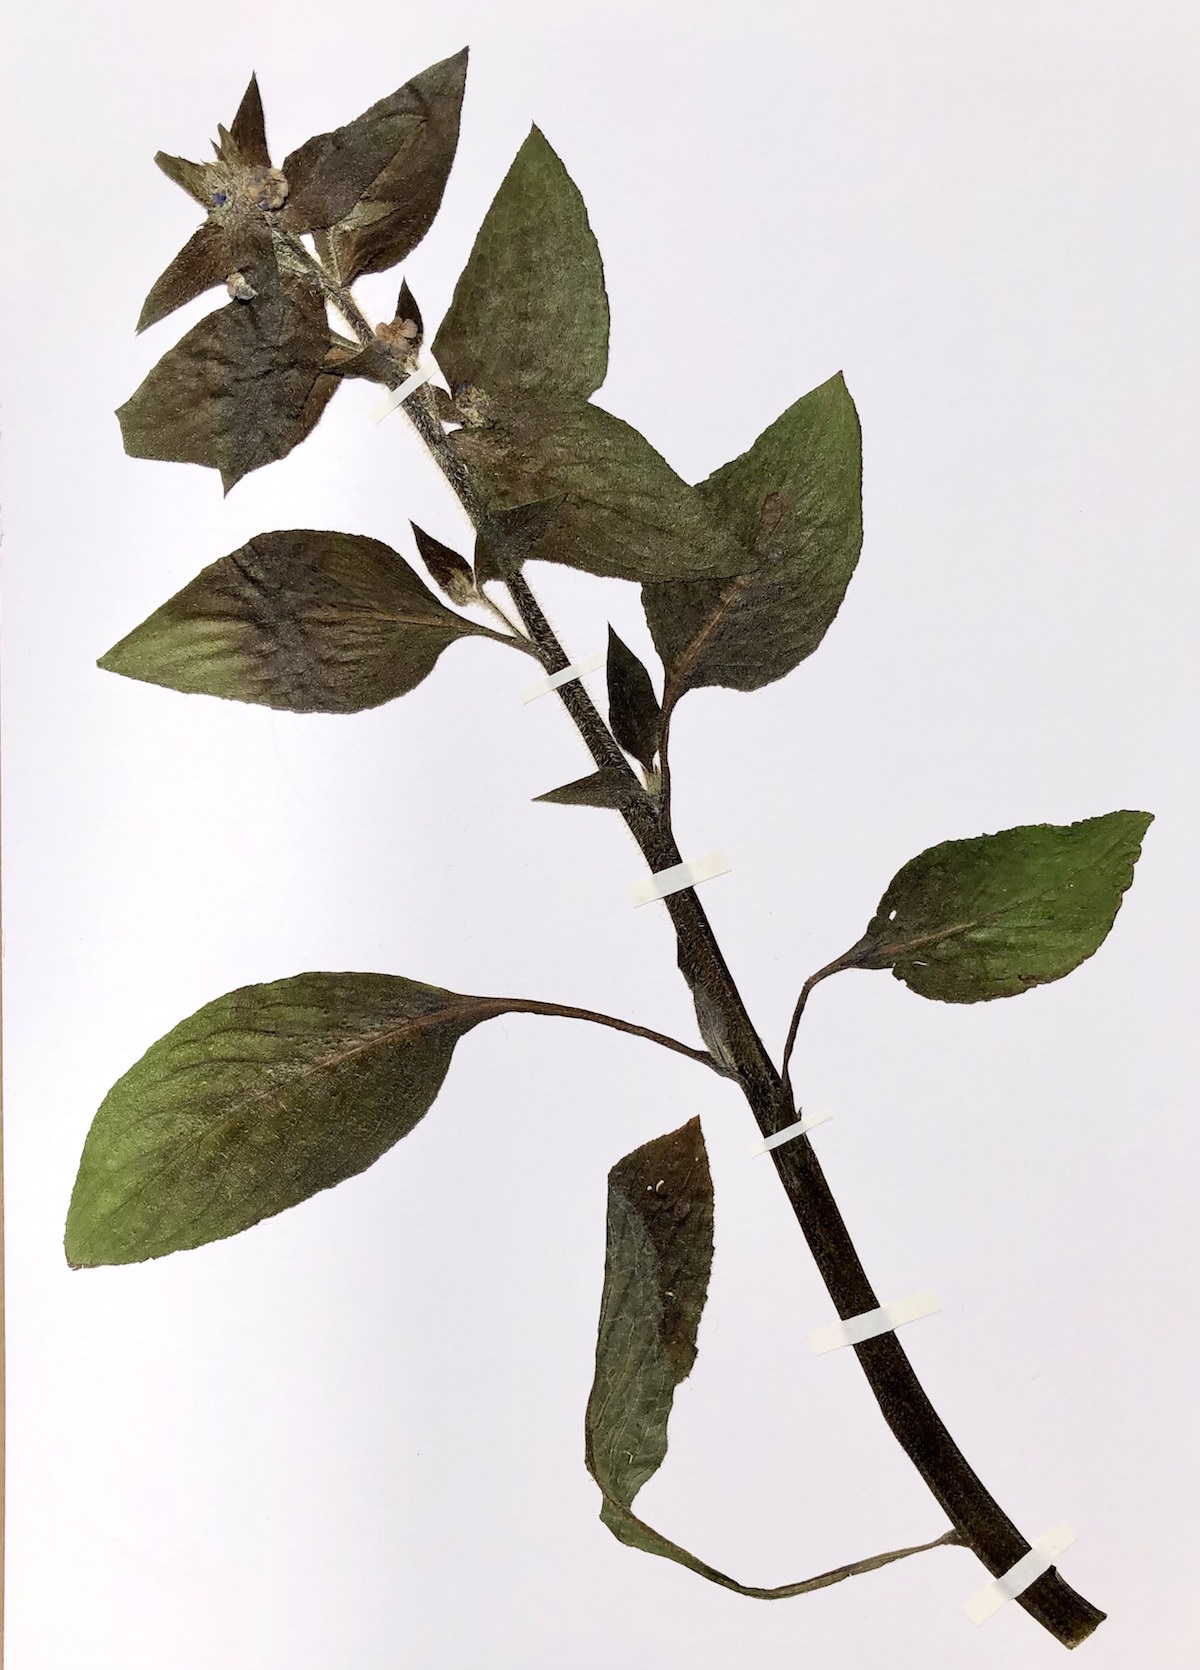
x: 273, y: 1092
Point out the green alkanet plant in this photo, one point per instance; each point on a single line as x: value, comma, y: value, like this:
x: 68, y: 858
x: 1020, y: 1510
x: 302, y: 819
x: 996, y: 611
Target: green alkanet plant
x: 273, y: 1092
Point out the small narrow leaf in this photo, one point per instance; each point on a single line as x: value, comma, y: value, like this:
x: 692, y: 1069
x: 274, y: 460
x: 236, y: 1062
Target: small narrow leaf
x: 256, y: 1102
x: 625, y: 514
x: 448, y: 570
x: 795, y: 501
x: 306, y: 620
x: 992, y: 916
x: 241, y: 389
x: 529, y: 318
x: 374, y: 186
x: 657, y: 1263
x: 633, y: 711
x: 192, y: 177
x: 406, y: 308
x: 249, y: 131
x: 610, y: 788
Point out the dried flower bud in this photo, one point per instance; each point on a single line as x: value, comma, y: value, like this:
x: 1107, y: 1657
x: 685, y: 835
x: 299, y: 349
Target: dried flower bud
x: 270, y: 188
x: 473, y: 406
x: 240, y: 288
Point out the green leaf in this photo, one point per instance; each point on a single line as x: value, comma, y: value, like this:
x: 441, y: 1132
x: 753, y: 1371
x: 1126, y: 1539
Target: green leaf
x: 626, y: 514
x: 633, y: 711
x: 995, y: 915
x: 657, y: 1263
x: 795, y: 501
x: 529, y: 318
x: 610, y: 788
x: 255, y: 1103
x: 311, y: 621
x: 374, y: 186
x: 241, y: 389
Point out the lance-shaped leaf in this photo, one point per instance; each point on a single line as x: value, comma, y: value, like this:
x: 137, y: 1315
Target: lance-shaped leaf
x: 311, y: 621
x: 633, y: 711
x: 657, y: 1263
x: 241, y: 389
x: 255, y: 1103
x: 529, y: 318
x: 202, y: 263
x: 795, y: 501
x: 452, y: 573
x: 610, y: 788
x: 997, y: 914
x: 625, y: 512
x: 374, y: 186
x: 249, y: 130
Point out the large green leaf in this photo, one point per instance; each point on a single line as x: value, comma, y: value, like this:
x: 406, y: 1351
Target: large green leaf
x: 373, y: 187
x: 241, y: 389
x: 315, y: 622
x: 256, y: 1102
x: 995, y: 915
x: 795, y: 501
x: 529, y: 318
x: 626, y: 514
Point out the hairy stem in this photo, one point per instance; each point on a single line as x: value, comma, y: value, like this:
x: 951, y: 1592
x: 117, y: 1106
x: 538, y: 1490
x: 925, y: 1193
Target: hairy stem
x: 726, y: 1027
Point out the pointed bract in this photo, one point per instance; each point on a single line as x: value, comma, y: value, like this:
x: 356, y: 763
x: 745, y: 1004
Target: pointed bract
x: 249, y: 129
x: 633, y: 711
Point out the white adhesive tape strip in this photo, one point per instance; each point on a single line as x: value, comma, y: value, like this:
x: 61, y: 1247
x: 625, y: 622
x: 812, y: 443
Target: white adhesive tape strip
x: 678, y: 877
x: 401, y: 394
x: 1017, y: 1579
x: 872, y: 1322
x: 544, y: 686
x: 790, y: 1131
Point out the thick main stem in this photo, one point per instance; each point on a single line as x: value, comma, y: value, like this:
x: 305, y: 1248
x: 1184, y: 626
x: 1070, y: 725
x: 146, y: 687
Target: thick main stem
x: 729, y: 1032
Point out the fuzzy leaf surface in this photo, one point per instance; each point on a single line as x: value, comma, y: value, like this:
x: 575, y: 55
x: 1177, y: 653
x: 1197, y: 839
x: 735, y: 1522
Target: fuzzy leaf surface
x: 795, y: 501
x: 992, y: 916
x: 301, y: 619
x: 609, y: 788
x: 241, y: 389
x: 201, y: 264
x: 374, y: 186
x: 256, y: 1102
x: 529, y: 318
x: 633, y: 711
x: 625, y: 513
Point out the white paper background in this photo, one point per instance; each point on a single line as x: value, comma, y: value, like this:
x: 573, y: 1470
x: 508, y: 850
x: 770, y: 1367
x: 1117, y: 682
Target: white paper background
x: 353, y: 1436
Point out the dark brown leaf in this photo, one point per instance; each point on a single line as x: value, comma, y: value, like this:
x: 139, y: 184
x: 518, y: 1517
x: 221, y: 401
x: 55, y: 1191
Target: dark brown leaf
x: 633, y: 711
x: 507, y: 537
x: 249, y: 132
x: 610, y: 788
x: 449, y: 571
x: 200, y: 264
x: 241, y: 389
x: 375, y: 185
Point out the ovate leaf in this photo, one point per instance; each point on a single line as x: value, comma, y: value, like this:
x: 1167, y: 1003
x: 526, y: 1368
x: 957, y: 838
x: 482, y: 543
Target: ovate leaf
x: 256, y: 1102
x: 657, y: 1263
x: 529, y: 318
x: 610, y: 787
x: 373, y: 187
x: 312, y: 621
x: 452, y: 573
x: 795, y: 501
x: 633, y: 711
x: 241, y: 389
x: 995, y: 915
x: 625, y: 513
